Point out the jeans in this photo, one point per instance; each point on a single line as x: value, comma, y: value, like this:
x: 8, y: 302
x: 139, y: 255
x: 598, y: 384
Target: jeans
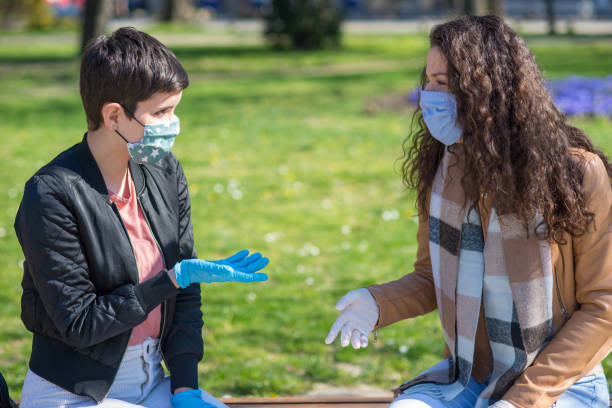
x: 430, y: 395
x: 591, y: 391
x: 140, y: 382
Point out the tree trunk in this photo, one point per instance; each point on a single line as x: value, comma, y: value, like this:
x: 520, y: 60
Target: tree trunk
x: 551, y: 16
x: 232, y: 8
x: 497, y: 7
x: 95, y: 17
x: 478, y: 7
x: 176, y: 10
x: 461, y: 6
x: 473, y: 7
x: 482, y: 7
x: 468, y: 7
x: 169, y: 11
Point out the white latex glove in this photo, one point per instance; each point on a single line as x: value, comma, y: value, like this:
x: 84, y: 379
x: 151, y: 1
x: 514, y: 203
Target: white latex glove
x: 359, y: 314
x: 502, y: 404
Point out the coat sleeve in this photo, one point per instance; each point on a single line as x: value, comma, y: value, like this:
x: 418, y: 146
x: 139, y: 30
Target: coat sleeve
x: 57, y: 266
x: 412, y: 295
x: 584, y: 340
x: 185, y: 347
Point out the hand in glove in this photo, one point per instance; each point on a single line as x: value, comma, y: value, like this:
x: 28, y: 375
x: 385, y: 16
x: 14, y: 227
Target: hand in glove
x: 237, y: 268
x: 189, y: 399
x: 359, y: 314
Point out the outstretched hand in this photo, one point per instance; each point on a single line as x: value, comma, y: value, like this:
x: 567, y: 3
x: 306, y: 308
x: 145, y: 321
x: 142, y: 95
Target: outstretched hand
x: 358, y: 316
x: 240, y: 267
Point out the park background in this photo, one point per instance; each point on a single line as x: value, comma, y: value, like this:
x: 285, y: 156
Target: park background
x: 295, y: 153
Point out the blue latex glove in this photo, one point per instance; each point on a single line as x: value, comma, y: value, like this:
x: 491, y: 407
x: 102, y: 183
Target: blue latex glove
x: 237, y: 268
x: 189, y: 399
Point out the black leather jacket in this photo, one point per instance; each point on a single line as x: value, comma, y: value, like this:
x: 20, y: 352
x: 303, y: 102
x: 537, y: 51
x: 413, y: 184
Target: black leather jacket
x: 5, y: 400
x: 81, y: 291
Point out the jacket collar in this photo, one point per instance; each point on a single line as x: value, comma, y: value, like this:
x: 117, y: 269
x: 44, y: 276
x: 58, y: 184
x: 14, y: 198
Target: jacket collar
x: 137, y: 177
x: 92, y: 175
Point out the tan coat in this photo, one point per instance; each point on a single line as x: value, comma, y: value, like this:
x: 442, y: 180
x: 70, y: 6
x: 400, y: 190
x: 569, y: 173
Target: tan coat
x: 582, y: 301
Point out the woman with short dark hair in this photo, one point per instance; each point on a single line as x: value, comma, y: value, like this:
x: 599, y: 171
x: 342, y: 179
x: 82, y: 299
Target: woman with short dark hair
x: 111, y: 283
x: 515, y: 235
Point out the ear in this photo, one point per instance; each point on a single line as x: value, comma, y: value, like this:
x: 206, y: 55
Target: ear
x: 111, y: 114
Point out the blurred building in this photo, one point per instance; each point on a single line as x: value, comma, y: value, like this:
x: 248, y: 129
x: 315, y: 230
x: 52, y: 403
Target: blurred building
x: 354, y: 9
x: 529, y: 9
x: 66, y: 8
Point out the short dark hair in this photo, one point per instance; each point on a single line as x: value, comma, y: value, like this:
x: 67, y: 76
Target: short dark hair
x: 126, y: 67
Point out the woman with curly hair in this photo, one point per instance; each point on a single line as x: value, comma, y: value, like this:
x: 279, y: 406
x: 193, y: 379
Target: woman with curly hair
x: 515, y: 235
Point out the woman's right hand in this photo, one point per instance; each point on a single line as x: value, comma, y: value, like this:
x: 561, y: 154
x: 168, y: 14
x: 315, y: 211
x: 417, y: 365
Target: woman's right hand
x: 358, y: 316
x: 237, y: 268
x: 189, y: 399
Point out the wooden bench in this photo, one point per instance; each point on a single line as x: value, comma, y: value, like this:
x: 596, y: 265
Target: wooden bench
x: 308, y: 402
x: 311, y: 402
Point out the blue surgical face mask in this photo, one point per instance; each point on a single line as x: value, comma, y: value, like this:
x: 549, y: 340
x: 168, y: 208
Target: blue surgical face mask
x: 156, y: 143
x: 440, y: 116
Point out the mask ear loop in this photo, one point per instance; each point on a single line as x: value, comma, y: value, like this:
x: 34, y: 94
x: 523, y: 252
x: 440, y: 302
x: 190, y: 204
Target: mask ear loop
x: 133, y: 117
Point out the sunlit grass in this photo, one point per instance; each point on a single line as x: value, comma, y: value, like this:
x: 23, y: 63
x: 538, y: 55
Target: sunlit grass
x: 280, y: 158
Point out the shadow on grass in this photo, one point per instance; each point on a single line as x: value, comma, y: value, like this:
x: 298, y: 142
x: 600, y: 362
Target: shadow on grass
x: 37, y: 59
x: 55, y: 107
x: 585, y: 38
x: 319, y: 75
x: 256, y: 51
x: 196, y: 52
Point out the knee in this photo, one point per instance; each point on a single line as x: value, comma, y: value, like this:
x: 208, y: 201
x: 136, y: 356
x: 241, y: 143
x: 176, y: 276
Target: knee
x: 206, y: 397
x: 408, y: 402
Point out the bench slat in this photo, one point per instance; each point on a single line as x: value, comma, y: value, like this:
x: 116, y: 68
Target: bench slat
x: 311, y: 402
x: 308, y: 402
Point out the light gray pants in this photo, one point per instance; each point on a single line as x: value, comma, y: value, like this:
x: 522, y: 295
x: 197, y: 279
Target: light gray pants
x: 140, y: 382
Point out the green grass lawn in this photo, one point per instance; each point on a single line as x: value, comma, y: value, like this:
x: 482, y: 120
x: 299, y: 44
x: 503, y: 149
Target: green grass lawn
x: 282, y: 159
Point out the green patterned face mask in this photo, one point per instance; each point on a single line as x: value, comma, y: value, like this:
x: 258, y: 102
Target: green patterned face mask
x: 156, y: 143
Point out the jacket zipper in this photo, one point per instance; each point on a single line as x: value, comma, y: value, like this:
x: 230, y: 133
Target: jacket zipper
x: 563, y: 310
x: 163, y: 304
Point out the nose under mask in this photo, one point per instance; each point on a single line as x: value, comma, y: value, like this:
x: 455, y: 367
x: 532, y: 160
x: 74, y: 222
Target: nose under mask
x: 440, y: 116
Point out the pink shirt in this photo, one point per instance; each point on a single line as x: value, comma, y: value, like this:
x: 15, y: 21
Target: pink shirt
x: 148, y: 256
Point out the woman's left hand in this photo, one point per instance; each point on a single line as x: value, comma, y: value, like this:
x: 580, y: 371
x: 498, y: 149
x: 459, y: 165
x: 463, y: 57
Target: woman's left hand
x: 189, y: 399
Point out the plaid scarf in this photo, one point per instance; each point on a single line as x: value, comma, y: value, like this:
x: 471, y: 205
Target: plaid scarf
x: 510, y: 272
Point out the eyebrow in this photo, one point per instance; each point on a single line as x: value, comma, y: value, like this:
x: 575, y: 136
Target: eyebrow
x: 439, y: 73
x: 163, y: 108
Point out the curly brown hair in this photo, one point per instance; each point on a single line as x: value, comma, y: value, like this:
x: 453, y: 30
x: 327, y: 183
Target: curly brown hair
x: 517, y: 142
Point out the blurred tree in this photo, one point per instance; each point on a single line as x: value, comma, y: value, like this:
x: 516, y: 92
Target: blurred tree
x: 10, y: 9
x: 551, y: 16
x: 497, y: 7
x: 96, y: 14
x: 479, y: 7
x: 233, y: 8
x: 176, y: 10
x: 39, y: 14
x: 31, y: 13
x: 303, y: 24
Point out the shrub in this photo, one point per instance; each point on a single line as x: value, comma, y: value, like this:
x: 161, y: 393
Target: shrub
x: 29, y: 13
x: 303, y: 24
